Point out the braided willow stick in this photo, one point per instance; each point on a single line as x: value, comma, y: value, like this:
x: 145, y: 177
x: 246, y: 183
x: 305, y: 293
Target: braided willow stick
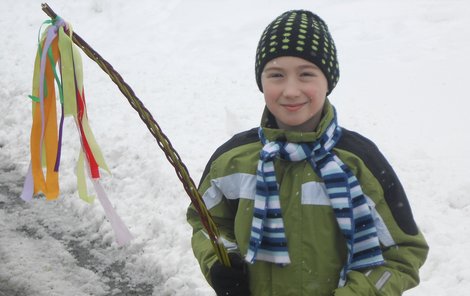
x: 162, y: 140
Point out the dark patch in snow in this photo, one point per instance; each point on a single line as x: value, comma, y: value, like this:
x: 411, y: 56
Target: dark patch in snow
x: 113, y: 273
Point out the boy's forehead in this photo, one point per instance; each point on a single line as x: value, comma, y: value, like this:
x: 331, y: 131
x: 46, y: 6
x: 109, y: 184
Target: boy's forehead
x: 289, y: 61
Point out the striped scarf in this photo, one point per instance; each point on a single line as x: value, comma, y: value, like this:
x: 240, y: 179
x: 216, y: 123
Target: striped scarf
x: 268, y: 240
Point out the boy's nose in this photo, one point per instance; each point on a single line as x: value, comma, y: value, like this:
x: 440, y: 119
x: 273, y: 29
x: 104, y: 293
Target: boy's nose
x: 291, y: 89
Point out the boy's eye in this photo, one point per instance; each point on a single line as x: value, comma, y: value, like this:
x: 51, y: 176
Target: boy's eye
x: 274, y: 75
x: 308, y: 74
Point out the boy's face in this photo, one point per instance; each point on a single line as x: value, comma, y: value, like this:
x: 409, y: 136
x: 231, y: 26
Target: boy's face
x: 295, y: 92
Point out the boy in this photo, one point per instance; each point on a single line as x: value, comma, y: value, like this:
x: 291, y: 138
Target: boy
x: 305, y: 207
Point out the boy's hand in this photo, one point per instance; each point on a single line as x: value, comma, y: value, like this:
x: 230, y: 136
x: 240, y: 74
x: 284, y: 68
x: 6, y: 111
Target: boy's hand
x: 230, y: 281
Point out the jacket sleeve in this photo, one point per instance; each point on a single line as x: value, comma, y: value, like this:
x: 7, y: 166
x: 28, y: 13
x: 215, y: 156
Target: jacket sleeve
x: 223, y: 214
x: 404, y: 249
x: 222, y: 210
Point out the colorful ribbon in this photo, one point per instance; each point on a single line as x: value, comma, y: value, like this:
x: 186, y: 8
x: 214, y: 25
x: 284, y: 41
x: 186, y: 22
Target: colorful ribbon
x: 56, y: 50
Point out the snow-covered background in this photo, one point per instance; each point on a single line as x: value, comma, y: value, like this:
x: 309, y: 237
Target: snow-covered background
x: 404, y: 78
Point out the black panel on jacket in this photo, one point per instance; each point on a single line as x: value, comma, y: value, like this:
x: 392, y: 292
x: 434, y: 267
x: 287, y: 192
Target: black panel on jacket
x: 240, y: 139
x: 395, y: 195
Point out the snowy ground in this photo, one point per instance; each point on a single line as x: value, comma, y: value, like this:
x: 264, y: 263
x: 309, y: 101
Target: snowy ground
x: 404, y: 79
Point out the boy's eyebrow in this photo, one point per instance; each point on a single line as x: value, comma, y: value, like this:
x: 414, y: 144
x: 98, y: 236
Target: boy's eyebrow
x: 313, y: 66
x: 267, y: 68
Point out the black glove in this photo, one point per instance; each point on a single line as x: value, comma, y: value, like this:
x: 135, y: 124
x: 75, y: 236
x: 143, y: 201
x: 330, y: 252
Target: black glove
x: 233, y: 280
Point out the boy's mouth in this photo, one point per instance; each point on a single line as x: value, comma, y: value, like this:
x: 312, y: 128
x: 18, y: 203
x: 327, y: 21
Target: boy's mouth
x: 293, y: 107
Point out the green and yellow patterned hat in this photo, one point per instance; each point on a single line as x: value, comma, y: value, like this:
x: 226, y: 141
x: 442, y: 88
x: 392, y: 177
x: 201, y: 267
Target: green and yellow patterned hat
x: 303, y: 34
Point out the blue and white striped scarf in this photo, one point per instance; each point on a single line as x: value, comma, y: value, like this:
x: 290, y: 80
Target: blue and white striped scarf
x: 268, y: 240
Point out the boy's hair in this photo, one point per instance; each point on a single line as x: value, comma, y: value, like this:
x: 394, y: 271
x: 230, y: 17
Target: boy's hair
x: 303, y: 34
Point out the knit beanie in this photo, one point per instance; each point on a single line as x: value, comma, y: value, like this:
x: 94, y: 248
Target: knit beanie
x: 303, y: 34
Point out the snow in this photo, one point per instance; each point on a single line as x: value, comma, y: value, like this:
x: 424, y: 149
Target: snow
x: 403, y: 79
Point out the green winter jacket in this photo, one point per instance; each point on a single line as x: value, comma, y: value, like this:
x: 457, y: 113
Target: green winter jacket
x: 316, y: 246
